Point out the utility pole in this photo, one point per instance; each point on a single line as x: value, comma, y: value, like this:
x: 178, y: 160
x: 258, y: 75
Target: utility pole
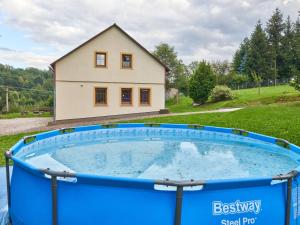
x: 7, y: 106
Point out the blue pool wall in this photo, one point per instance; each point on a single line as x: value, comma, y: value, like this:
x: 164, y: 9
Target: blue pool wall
x: 3, y: 198
x: 93, y: 199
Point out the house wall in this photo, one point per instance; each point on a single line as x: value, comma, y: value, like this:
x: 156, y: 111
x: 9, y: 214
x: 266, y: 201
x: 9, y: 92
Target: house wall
x: 76, y: 100
x: 76, y: 77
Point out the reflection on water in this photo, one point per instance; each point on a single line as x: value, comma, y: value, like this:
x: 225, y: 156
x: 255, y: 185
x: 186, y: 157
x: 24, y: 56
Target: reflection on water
x: 185, y: 156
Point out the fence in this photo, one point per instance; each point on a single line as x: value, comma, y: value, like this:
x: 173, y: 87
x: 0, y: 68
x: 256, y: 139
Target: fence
x: 251, y: 84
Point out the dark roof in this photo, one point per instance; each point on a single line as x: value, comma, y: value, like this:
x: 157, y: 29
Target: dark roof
x: 97, y: 35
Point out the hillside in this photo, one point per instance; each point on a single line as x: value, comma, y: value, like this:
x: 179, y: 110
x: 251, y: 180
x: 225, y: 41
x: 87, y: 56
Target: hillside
x: 28, y: 88
x: 242, y: 98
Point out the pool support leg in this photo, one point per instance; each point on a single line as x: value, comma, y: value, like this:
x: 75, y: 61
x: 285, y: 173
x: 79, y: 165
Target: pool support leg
x: 288, y: 201
x: 178, y: 209
x: 54, y: 175
x: 54, y: 199
x: 7, y: 157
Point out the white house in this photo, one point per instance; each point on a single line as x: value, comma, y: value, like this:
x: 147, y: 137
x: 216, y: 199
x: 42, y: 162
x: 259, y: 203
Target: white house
x: 110, y: 75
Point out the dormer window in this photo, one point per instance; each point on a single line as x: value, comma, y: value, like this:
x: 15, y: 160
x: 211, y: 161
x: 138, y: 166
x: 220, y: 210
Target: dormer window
x: 100, y: 59
x: 126, y: 61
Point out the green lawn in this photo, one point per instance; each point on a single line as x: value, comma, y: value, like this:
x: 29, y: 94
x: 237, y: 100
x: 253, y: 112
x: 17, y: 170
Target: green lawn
x: 18, y: 115
x: 7, y: 141
x: 278, y: 120
x: 242, y: 98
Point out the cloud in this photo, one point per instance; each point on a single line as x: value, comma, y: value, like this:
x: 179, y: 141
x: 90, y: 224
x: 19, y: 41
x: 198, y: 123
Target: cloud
x: 198, y: 29
x: 25, y: 58
x: 6, y: 49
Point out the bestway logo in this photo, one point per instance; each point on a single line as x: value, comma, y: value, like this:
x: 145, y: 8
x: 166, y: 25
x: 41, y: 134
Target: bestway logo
x: 220, y: 208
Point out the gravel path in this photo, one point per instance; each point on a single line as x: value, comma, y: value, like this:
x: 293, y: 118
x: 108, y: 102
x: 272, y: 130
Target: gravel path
x: 20, y: 125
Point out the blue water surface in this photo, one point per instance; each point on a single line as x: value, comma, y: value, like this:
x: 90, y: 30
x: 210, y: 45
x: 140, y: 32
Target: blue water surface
x: 159, y: 153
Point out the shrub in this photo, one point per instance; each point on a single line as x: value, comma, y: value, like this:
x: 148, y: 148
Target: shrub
x: 295, y: 82
x: 221, y: 93
x: 201, y: 83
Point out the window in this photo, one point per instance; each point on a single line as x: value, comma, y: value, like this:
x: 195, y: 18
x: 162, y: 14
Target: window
x: 126, y: 61
x: 145, y: 96
x: 100, y: 59
x: 126, y: 96
x: 100, y: 96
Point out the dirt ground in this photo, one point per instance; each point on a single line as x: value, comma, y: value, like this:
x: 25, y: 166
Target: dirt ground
x: 21, y: 125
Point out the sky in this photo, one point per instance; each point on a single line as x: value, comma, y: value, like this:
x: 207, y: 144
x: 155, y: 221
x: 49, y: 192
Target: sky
x: 33, y: 33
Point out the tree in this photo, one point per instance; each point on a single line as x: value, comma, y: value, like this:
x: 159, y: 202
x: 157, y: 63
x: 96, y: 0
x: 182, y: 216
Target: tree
x: 167, y: 55
x: 192, y: 67
x: 296, y: 53
x: 27, y: 87
x: 273, y: 52
x: 220, y: 69
x: 296, y: 50
x: 236, y: 80
x: 182, y: 81
x: 258, y: 55
x: 275, y: 27
x: 201, y: 83
x: 257, y: 80
x: 286, y: 50
x: 240, y: 58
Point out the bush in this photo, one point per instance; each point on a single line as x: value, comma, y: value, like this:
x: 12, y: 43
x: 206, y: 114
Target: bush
x: 201, y: 83
x: 221, y: 93
x: 295, y: 82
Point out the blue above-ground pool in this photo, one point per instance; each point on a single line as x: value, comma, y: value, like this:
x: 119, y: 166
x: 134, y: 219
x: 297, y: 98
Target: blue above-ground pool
x: 153, y: 174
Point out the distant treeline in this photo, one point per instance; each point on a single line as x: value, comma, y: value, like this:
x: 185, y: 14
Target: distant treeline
x: 273, y: 51
x: 28, y: 89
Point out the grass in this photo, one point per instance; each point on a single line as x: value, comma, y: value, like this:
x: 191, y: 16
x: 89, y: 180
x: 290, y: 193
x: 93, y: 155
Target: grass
x: 278, y: 120
x: 18, y: 115
x: 7, y: 141
x: 242, y: 98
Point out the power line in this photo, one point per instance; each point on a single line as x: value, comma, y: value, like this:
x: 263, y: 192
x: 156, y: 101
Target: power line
x: 28, y: 89
x: 14, y: 88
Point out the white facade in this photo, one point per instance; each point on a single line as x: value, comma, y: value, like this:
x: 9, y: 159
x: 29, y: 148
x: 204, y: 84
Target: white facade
x: 76, y: 78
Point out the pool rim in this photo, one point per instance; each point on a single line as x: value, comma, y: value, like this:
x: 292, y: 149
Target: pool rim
x: 148, y: 183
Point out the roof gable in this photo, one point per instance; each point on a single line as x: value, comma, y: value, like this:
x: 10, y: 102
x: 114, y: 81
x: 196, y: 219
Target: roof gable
x: 107, y: 29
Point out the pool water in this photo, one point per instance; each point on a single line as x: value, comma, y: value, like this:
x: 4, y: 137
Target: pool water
x: 159, y: 153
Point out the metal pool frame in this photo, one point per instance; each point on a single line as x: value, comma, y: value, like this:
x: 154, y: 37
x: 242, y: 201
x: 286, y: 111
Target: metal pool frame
x: 179, y: 185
